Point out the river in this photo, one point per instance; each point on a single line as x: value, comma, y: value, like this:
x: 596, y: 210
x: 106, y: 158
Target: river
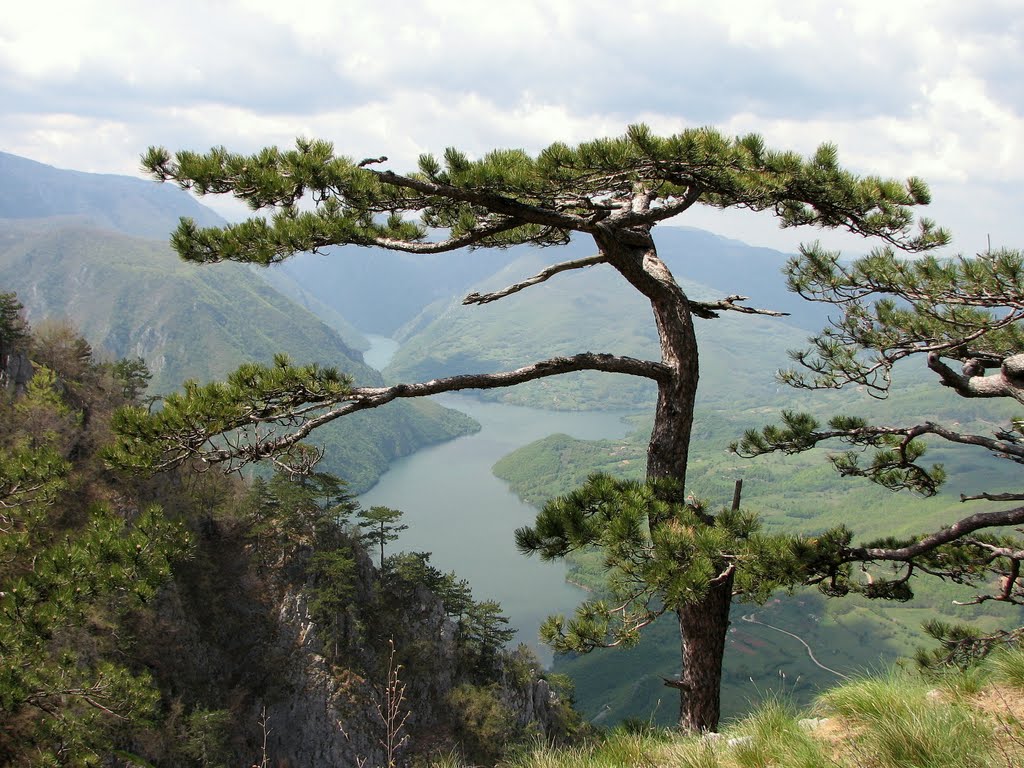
x: 460, y: 512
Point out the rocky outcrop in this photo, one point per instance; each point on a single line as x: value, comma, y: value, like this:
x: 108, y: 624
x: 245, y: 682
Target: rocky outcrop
x: 320, y: 717
x: 228, y: 637
x: 15, y: 371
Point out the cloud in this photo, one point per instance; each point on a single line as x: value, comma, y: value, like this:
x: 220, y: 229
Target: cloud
x: 903, y: 88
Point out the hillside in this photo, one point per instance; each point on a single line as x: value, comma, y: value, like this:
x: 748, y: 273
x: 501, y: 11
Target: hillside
x: 971, y: 719
x: 794, y: 494
x: 385, y: 292
x: 132, y: 297
x: 161, y: 620
x: 594, y: 310
x: 379, y: 291
x: 31, y: 190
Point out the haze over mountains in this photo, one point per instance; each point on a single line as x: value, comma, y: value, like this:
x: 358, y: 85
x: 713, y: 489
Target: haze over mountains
x: 31, y: 190
x: 92, y: 249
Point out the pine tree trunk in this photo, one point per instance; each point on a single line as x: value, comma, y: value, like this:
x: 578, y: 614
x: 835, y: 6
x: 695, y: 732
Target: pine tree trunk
x: 702, y: 629
x: 702, y: 626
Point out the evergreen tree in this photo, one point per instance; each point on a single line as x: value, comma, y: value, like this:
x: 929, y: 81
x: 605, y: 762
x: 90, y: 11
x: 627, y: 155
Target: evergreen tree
x: 482, y: 635
x: 292, y: 512
x: 382, y: 526
x: 133, y: 375
x: 965, y: 309
x: 614, y: 191
x: 13, y: 328
x: 68, y: 572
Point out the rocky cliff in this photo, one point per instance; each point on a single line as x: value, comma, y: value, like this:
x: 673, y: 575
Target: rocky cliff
x: 225, y: 637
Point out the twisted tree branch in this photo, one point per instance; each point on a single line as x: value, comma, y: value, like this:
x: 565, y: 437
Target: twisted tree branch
x: 540, y: 277
x: 709, y: 309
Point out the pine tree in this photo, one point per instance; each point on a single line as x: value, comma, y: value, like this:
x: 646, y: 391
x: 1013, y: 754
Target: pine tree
x: 14, y: 335
x: 66, y: 576
x: 381, y: 525
x: 965, y: 309
x: 614, y: 191
x: 13, y: 328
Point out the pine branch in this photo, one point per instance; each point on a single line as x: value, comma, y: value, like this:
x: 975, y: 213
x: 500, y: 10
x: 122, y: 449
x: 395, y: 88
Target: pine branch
x: 1009, y: 382
x: 709, y: 309
x: 267, y: 412
x: 540, y: 277
x: 525, y: 213
x: 929, y: 543
x: 473, y: 237
x: 895, y: 464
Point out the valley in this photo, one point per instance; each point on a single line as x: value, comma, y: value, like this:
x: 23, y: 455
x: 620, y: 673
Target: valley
x: 457, y: 510
x: 466, y: 469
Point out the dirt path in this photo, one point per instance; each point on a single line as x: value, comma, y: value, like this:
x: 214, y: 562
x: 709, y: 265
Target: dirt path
x: 750, y: 617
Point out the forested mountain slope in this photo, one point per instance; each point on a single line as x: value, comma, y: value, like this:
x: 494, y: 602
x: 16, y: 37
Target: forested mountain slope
x: 190, y: 620
x: 595, y: 311
x: 132, y: 297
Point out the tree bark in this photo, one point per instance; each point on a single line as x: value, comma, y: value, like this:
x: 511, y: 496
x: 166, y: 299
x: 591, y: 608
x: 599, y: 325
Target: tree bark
x: 703, y: 625
x: 702, y: 630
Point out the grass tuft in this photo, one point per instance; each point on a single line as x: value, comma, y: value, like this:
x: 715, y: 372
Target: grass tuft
x: 772, y: 736
x: 895, y: 720
x: 1008, y: 666
x: 900, y: 724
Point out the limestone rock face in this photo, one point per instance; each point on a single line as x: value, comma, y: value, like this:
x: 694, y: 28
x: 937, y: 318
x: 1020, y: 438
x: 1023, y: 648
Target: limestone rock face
x: 16, y: 371
x: 534, y: 703
x: 232, y: 637
x: 316, y: 720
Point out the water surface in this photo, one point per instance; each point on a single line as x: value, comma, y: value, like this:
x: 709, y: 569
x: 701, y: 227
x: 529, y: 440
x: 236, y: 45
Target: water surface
x: 461, y: 513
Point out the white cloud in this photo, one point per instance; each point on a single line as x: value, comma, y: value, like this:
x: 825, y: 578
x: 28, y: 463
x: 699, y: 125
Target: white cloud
x: 928, y: 88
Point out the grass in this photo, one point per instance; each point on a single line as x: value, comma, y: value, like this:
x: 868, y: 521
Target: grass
x: 900, y: 721
x: 972, y: 719
x: 1008, y: 667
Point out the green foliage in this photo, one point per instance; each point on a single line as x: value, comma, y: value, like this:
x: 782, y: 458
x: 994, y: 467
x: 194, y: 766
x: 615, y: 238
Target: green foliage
x: 795, y: 494
x: 965, y: 308
x: 962, y: 309
x: 110, y: 566
x: 189, y: 424
x: 1007, y: 666
x: 771, y: 736
x: 660, y: 550
x: 483, y: 633
x: 483, y: 725
x: 208, y: 736
x: 133, y: 375
x: 14, y: 333
x: 409, y: 580
x: 60, y: 695
x: 410, y: 569
x: 352, y: 198
x: 902, y: 727
x: 203, y: 324
x: 381, y: 526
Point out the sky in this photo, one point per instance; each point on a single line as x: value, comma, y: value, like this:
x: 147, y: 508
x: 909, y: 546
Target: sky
x: 902, y: 87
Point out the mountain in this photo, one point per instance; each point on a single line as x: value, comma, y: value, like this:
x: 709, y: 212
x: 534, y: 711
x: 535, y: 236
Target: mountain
x: 380, y: 291
x: 132, y: 297
x: 31, y: 190
x: 595, y: 310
